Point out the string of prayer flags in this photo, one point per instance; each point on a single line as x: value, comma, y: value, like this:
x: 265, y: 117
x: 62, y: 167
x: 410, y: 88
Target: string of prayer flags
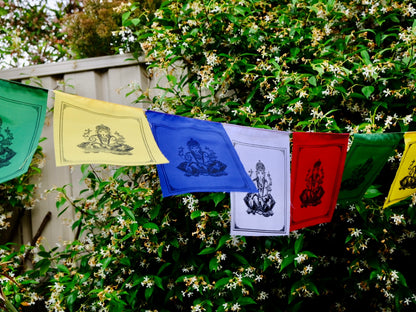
x: 365, y: 159
x: 22, y: 115
x: 265, y: 155
x: 404, y: 183
x: 202, y: 157
x: 88, y: 131
x: 317, y: 165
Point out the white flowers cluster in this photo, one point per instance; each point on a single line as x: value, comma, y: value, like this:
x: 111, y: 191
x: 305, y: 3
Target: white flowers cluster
x: 4, y: 224
x: 397, y: 219
x: 191, y: 202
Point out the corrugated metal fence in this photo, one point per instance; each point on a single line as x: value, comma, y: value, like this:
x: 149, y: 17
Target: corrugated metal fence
x: 108, y: 78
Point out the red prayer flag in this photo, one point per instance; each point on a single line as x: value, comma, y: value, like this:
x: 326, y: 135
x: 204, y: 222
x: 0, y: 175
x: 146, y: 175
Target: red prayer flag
x: 317, y: 165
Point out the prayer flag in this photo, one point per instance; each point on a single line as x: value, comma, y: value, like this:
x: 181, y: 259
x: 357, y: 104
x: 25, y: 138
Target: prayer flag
x: 265, y: 155
x: 22, y: 114
x: 317, y: 164
x: 404, y: 183
x: 88, y: 131
x: 201, y: 156
x: 365, y: 159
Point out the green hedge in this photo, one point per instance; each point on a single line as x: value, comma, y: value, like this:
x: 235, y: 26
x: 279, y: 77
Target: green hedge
x: 325, y: 66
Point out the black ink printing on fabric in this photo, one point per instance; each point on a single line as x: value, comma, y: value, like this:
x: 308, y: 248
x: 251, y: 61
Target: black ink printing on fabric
x: 103, y: 141
x: 358, y: 175
x: 311, y: 196
x: 409, y: 181
x: 199, y: 161
x: 261, y: 203
x: 6, y: 139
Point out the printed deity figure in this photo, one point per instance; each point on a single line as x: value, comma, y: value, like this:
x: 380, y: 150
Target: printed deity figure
x: 6, y: 153
x: 311, y: 196
x: 409, y: 181
x: 261, y: 202
x: 104, y: 141
x: 200, y: 162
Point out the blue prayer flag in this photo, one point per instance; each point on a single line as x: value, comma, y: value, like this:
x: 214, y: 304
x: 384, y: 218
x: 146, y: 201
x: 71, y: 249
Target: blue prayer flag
x: 201, y: 156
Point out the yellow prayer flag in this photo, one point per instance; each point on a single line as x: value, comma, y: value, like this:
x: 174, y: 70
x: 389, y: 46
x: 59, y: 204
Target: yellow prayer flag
x: 404, y: 183
x: 88, y: 131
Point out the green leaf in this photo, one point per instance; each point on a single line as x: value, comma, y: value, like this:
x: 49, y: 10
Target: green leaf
x: 125, y: 17
x: 286, y: 261
x: 154, y: 212
x: 241, y: 10
x: 312, y: 80
x: 247, y: 282
x: 76, y: 223
x: 223, y: 240
x: 266, y: 264
x: 310, y: 254
x: 402, y: 279
x: 207, y: 251
x: 213, y: 213
x: 150, y: 225
x: 217, y: 197
x: 45, y: 264
x: 367, y: 91
x: 59, y: 202
x: 372, y: 192
x: 357, y: 95
x: 222, y: 282
x: 252, y: 93
x: 135, y: 21
x: 84, y: 169
x: 394, y: 18
x: 126, y: 261
x: 365, y: 56
x: 414, y: 27
x: 196, y: 214
x: 263, y: 126
x: 371, y: 234
x: 158, y: 282
x: 314, y: 288
x: 106, y: 262
x: 213, y: 264
x: 373, y: 275
x: 133, y: 228
x: 172, y: 79
x: 318, y: 68
x: 71, y: 299
x: 63, y: 268
x: 118, y: 172
x: 128, y: 212
x: 298, y: 244
x: 148, y: 292
x: 330, y: 5
x: 246, y: 301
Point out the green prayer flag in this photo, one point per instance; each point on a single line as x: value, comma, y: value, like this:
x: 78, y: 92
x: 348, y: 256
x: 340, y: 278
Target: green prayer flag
x: 22, y: 114
x: 365, y: 159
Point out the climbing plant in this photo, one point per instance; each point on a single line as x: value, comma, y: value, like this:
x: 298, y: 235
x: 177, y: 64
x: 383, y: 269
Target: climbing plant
x: 324, y: 66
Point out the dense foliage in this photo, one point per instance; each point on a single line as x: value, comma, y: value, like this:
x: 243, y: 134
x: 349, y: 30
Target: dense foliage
x: 31, y: 33
x: 18, y: 195
x: 339, y: 66
x: 41, y: 31
x: 93, y: 29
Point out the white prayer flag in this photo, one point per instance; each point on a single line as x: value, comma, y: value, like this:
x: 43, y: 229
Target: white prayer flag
x: 265, y: 155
